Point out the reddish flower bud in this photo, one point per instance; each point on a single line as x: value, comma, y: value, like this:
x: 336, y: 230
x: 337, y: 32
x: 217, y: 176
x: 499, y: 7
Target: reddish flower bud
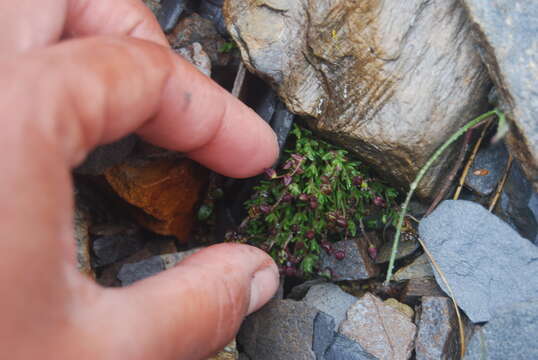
x: 372, y: 251
x: 313, y: 204
x: 341, y: 222
x: 299, y: 246
x: 266, y: 209
x: 324, y: 179
x: 287, y: 197
x: 325, y: 245
x: 304, y: 197
x: 297, y: 157
x: 271, y: 173
x: 339, y: 255
x: 287, y: 165
x: 378, y: 201
x: 286, y: 180
x: 295, y: 228
x: 357, y: 180
x: 310, y: 234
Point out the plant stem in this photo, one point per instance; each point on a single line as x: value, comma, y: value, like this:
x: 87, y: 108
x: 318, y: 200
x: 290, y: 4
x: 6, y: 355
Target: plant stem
x: 419, y: 177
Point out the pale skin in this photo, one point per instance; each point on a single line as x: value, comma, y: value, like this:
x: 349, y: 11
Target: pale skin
x: 76, y: 74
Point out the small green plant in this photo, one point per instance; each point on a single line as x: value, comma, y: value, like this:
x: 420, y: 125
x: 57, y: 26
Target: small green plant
x: 227, y: 47
x: 319, y: 195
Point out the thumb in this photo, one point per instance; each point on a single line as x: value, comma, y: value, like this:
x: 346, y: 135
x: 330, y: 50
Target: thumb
x: 190, y: 311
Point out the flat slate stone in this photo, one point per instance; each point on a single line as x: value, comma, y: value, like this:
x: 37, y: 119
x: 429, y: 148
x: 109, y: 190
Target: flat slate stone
x: 356, y: 265
x: 487, y: 263
x: 437, y: 336
x: 506, y: 32
x: 381, y: 330
x: 344, y: 348
x: 330, y: 299
x: 419, y: 268
x: 324, y: 326
x: 283, y: 329
x: 510, y: 334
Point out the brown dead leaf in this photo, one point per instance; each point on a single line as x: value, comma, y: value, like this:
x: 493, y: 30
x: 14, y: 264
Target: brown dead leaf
x: 481, y: 172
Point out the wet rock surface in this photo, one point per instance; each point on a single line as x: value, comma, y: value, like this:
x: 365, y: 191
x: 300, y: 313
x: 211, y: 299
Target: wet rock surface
x: 381, y: 330
x: 437, y: 336
x: 488, y: 265
x: 356, y: 265
x: 361, y: 71
x: 506, y: 32
x: 511, y: 334
x: 283, y: 329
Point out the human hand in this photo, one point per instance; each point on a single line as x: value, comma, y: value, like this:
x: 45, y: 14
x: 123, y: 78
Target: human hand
x: 75, y: 74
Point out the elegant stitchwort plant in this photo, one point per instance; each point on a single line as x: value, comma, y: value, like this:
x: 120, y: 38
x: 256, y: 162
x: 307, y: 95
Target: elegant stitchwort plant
x: 317, y: 196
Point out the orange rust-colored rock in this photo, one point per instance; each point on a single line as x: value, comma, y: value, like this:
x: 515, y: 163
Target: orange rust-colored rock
x: 167, y: 191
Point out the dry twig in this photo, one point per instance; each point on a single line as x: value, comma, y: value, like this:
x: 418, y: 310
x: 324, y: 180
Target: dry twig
x: 501, y: 184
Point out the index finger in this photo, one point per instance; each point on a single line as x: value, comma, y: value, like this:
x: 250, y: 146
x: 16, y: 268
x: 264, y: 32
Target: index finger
x: 97, y: 90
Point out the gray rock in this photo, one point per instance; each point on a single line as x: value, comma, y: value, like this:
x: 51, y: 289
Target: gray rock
x: 487, y: 264
x: 169, y: 13
x: 510, y: 334
x: 194, y: 54
x: 493, y: 160
x: 506, y: 32
x: 299, y: 292
x: 381, y: 330
x: 283, y: 330
x: 109, y: 249
x: 419, y: 268
x: 344, y: 348
x: 330, y: 299
x: 107, y: 156
x: 518, y: 204
x: 437, y: 336
x: 367, y: 75
x: 324, y: 326
x: 212, y: 10
x: 130, y: 273
x: 406, y: 248
x: 356, y: 265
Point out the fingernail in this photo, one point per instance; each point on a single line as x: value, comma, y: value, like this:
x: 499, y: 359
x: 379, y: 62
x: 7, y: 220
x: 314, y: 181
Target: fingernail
x: 263, y: 287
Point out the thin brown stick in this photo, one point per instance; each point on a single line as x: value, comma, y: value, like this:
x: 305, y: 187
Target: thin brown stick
x: 470, y: 162
x: 457, y: 165
x: 500, y: 187
x: 452, y: 297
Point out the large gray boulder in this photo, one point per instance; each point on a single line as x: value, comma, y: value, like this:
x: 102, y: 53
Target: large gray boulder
x: 488, y: 265
x: 389, y: 80
x: 511, y: 334
x: 506, y: 31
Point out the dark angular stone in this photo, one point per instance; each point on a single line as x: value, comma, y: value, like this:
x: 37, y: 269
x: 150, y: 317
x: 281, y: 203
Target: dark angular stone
x: 493, y: 160
x: 129, y: 273
x: 487, y: 264
x: 212, y: 10
x: 283, y: 330
x: 506, y: 33
x: 510, y: 334
x: 330, y: 299
x: 437, y: 336
x: 518, y: 204
x: 344, y: 348
x: 109, y: 249
x: 323, y: 334
x: 169, y: 13
x: 107, y: 156
x: 356, y: 264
